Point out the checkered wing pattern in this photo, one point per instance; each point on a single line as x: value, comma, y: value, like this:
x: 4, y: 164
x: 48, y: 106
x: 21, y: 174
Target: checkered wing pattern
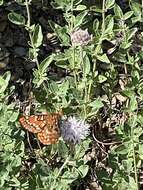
x: 46, y: 126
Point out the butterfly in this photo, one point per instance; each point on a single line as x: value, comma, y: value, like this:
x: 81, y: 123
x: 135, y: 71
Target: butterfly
x: 46, y: 126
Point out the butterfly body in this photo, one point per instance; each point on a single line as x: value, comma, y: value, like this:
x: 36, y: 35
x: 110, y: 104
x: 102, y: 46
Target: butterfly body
x: 46, y: 126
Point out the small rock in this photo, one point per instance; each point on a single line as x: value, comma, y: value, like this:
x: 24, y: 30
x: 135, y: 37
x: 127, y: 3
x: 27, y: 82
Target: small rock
x: 20, y: 51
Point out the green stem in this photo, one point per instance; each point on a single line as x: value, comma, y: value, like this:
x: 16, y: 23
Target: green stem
x: 134, y: 153
x: 28, y: 13
x: 74, y: 69
x: 142, y: 7
x: 89, y: 90
x: 135, y: 167
x: 103, y: 16
x: 85, y: 84
x: 30, y: 35
x: 91, y: 82
x: 60, y: 171
x: 31, y: 41
x: 102, y: 29
x: 71, y: 29
x: 98, y: 47
x: 72, y: 21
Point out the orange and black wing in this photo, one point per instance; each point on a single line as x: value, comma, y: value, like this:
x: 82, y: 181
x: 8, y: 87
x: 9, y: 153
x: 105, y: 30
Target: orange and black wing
x: 51, y: 132
x: 33, y: 123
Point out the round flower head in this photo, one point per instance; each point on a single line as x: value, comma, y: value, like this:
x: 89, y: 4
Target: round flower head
x: 80, y: 37
x: 74, y: 130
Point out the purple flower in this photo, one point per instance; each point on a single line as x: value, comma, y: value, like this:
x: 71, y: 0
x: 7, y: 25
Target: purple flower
x: 74, y: 130
x: 80, y: 37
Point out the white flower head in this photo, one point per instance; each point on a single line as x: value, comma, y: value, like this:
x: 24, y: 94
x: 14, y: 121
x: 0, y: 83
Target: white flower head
x: 74, y: 130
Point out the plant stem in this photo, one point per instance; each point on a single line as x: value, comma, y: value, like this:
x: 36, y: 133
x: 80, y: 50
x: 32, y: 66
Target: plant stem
x: 102, y: 29
x: 72, y: 22
x: 71, y: 29
x: 135, y: 167
x: 84, y: 78
x: 28, y: 13
x: 74, y: 69
x: 60, y: 170
x: 89, y: 90
x: 134, y: 153
x: 103, y: 16
x: 30, y: 35
x: 62, y: 167
x: 91, y: 81
x: 142, y: 7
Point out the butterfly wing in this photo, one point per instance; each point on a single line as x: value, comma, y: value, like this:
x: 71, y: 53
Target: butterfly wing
x: 48, y: 137
x: 46, y: 126
x: 51, y: 132
x: 33, y: 123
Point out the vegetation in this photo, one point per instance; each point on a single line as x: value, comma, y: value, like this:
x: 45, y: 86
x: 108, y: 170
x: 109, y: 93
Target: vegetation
x: 84, y: 58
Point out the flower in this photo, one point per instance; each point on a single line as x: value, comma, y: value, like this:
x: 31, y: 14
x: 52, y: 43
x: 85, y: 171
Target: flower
x: 80, y: 37
x: 74, y: 130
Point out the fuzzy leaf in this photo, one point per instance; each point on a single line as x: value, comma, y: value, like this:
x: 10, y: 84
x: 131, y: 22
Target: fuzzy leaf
x: 1, y: 2
x: 109, y: 4
x: 16, y: 18
x: 45, y: 64
x: 37, y: 36
x: 103, y: 58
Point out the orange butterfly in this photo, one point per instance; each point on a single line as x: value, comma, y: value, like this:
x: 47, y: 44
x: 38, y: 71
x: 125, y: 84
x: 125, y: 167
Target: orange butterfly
x: 46, y: 126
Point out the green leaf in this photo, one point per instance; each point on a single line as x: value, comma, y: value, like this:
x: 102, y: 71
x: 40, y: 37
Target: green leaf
x: 86, y: 65
x: 77, y: 2
x: 61, y: 60
x: 81, y: 148
x: 79, y: 19
x: 62, y: 149
x: 110, y: 25
x: 62, y: 4
x: 4, y: 176
x: 83, y: 169
x: 101, y: 78
x: 140, y: 151
x: 80, y: 8
x: 45, y: 64
x: 128, y: 15
x: 16, y: 18
x: 131, y: 33
x: 62, y: 65
x: 133, y: 104
x: 3, y: 85
x: 96, y: 104
x: 68, y: 177
x: 14, y: 116
x: 118, y: 11
x: 53, y: 87
x: 62, y: 57
x: 14, y: 182
x: 132, y: 184
x: 136, y: 7
x: 63, y: 88
x: 95, y: 25
x: 127, y: 92
x: 103, y: 58
x: 121, y: 149
x: 61, y: 33
x: 4, y: 80
x: 109, y: 4
x: 37, y: 36
x: 39, y: 78
x: 1, y: 2
x: 21, y: 2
